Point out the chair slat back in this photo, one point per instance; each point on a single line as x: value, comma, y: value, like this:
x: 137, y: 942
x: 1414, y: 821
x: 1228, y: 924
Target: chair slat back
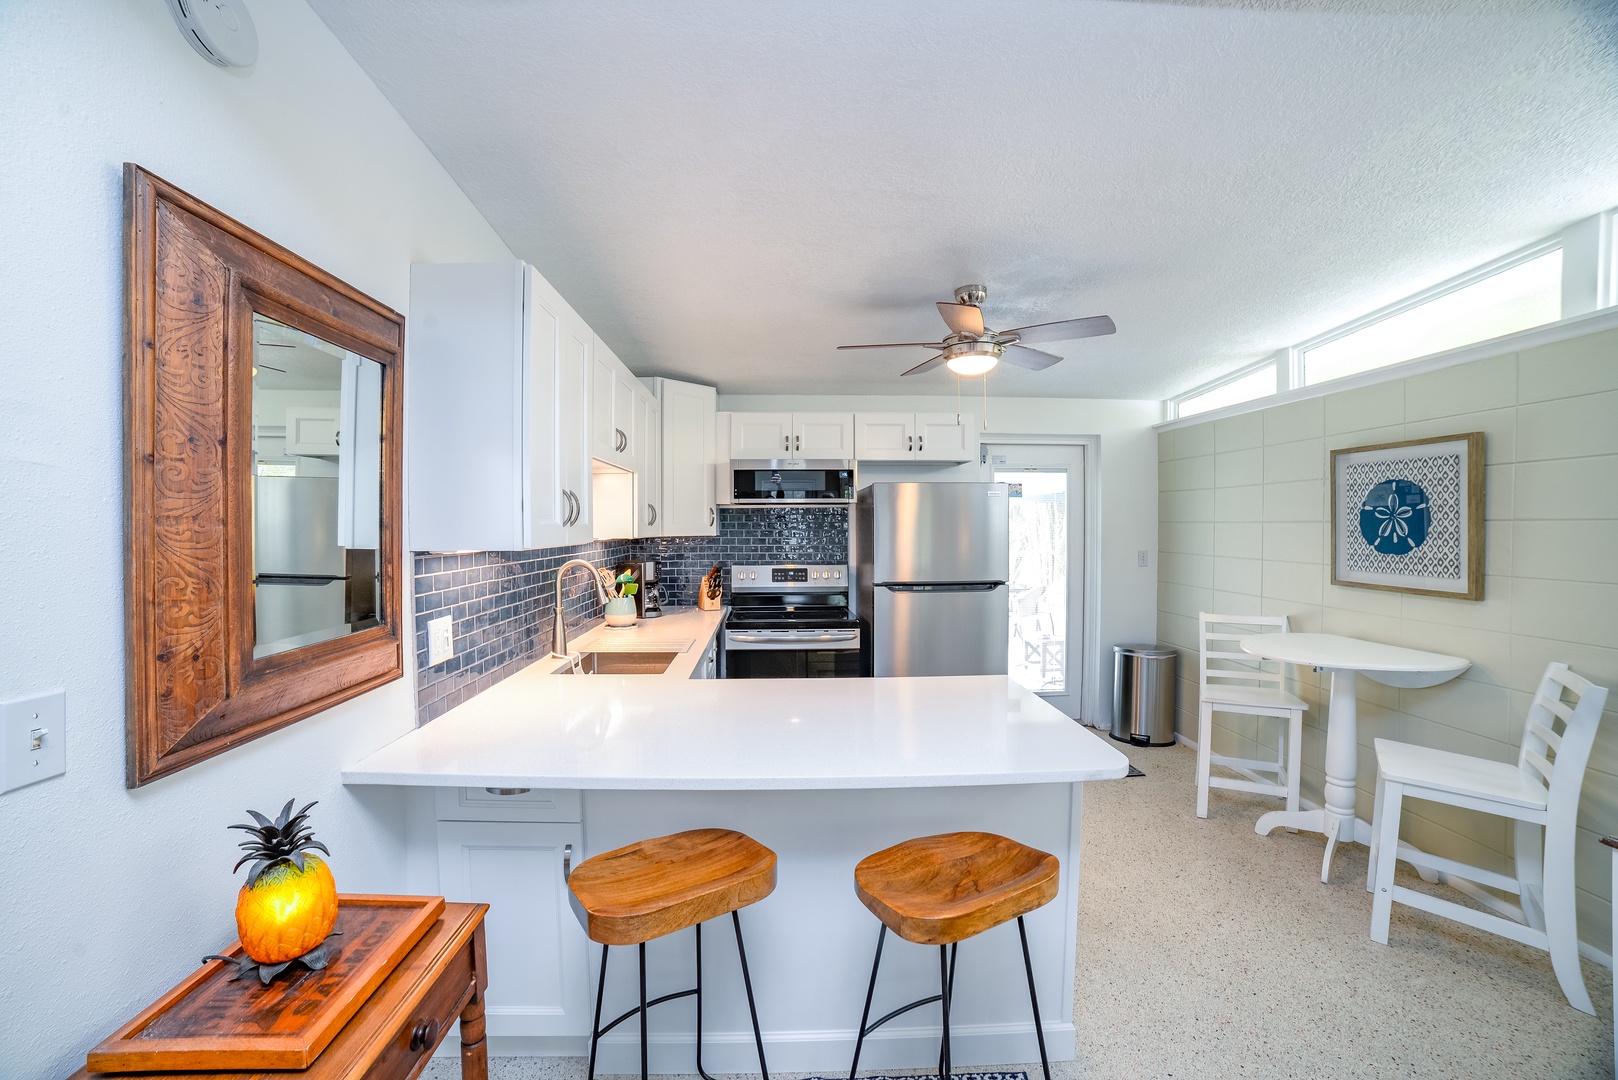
x: 1223, y: 662
x: 1557, y: 738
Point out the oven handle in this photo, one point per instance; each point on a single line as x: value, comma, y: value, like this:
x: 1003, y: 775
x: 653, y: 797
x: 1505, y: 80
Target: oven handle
x: 849, y: 639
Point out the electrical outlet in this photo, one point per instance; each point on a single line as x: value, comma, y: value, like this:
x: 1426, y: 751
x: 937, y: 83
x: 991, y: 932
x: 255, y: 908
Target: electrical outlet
x: 1141, y: 558
x: 33, y: 739
x: 440, y: 641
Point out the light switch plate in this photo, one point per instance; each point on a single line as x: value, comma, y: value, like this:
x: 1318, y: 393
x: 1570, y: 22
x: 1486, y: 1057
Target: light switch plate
x: 33, y: 739
x: 1141, y: 558
x: 440, y: 640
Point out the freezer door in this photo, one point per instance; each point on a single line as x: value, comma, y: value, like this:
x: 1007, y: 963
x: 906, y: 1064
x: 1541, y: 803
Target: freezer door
x: 939, y: 630
x: 940, y: 533
x: 295, y: 526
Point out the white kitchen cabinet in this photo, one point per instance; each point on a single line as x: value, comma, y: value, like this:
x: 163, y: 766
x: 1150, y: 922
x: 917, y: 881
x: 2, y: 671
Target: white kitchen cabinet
x: 688, y: 425
x: 907, y: 437
x: 708, y: 666
x: 496, y: 407
x: 755, y: 436
x: 792, y: 436
x: 612, y: 408
x: 649, y: 470
x: 538, y: 974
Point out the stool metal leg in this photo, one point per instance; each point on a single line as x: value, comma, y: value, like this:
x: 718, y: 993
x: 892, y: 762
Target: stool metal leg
x: 1033, y: 998
x: 943, y: 997
x: 700, y: 1071
x: 595, y: 1028
x: 643, y: 1069
x: 747, y: 981
x: 949, y: 995
x: 870, y: 992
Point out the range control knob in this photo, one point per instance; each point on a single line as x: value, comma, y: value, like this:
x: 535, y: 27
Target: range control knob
x: 837, y: 573
x: 814, y: 574
x: 752, y: 574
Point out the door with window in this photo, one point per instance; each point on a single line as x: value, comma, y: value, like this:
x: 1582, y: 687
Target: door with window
x: 1046, y: 488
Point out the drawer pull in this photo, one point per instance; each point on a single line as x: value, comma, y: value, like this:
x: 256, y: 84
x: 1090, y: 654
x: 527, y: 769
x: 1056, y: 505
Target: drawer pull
x: 567, y: 861
x: 506, y: 790
x: 423, y: 1035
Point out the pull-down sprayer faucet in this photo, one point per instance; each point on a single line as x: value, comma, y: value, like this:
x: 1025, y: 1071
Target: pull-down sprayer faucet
x: 559, y: 630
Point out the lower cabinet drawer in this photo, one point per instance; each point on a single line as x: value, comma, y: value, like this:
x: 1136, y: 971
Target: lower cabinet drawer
x: 412, y: 1046
x: 508, y: 804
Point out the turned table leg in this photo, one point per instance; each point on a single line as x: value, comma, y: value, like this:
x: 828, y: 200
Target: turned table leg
x: 474, y: 1047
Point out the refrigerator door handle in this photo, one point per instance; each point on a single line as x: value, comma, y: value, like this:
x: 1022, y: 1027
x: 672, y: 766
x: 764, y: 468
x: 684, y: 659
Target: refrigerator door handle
x: 298, y: 579
x: 972, y: 586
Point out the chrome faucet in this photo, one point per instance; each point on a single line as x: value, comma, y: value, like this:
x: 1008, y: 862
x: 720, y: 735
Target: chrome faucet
x: 559, y: 630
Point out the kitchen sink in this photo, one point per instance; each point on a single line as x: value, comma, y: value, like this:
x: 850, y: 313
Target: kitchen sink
x: 619, y: 663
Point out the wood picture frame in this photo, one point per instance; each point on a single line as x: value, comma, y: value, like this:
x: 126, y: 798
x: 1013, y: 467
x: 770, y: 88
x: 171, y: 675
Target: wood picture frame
x: 1408, y: 516
x: 195, y: 279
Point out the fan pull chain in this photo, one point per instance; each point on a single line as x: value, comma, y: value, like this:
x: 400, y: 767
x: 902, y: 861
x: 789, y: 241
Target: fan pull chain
x: 985, y: 401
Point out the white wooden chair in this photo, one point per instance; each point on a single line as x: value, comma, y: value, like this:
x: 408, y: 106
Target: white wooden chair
x: 1540, y: 791
x: 1233, y: 681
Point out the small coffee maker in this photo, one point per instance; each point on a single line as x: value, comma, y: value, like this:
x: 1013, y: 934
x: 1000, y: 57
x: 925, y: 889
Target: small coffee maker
x: 649, y: 597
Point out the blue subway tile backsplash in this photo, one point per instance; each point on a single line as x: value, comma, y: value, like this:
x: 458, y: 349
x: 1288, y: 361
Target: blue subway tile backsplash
x: 502, y: 601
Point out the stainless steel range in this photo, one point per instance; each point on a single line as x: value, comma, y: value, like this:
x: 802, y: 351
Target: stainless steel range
x: 792, y: 622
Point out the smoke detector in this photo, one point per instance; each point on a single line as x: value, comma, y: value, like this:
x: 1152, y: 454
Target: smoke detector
x: 220, y: 30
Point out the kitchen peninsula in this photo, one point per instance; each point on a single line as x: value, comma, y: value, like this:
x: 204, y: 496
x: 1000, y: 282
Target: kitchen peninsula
x: 510, y: 789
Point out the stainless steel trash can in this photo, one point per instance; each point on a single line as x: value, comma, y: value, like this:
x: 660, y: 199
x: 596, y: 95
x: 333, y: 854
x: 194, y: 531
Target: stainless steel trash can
x: 1143, y: 679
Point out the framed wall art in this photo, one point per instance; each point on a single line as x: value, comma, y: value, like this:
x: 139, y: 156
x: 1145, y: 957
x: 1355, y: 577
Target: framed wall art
x: 1408, y: 516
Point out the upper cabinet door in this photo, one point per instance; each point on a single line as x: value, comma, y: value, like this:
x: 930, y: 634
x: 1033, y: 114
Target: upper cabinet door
x: 760, y: 435
x: 884, y: 436
x: 545, y: 509
x: 688, y: 412
x: 624, y: 396
x: 945, y: 437
x: 603, y: 424
x: 573, y: 425
x: 823, y: 436
x: 649, y: 472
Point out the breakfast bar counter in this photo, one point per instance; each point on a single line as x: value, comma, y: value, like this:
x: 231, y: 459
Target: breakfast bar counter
x: 512, y: 788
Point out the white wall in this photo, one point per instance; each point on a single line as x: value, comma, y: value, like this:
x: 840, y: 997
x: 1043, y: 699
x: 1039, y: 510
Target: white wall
x: 1127, y: 476
x: 1245, y: 529
x: 108, y: 896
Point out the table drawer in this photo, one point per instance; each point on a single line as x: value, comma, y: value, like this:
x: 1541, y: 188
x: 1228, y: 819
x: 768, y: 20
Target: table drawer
x: 412, y: 1045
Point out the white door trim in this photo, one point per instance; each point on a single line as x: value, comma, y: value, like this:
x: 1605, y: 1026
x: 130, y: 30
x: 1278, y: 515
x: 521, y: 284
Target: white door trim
x: 1090, y: 708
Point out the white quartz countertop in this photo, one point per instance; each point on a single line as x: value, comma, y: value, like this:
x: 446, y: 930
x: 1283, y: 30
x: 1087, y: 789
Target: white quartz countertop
x: 541, y: 730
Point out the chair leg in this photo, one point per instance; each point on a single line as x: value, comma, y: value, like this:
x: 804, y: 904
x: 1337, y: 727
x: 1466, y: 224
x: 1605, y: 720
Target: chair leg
x: 1294, y: 760
x: 1530, y: 857
x: 943, y: 997
x: 949, y: 995
x: 1387, y: 854
x: 643, y: 1070
x: 865, y: 1017
x: 595, y: 1028
x: 1033, y: 998
x: 1204, y: 753
x: 1376, y: 823
x: 700, y: 1070
x: 752, y: 1008
x: 1561, y: 918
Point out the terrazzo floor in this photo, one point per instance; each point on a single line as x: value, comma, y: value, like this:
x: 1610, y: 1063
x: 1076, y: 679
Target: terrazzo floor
x: 1208, y: 951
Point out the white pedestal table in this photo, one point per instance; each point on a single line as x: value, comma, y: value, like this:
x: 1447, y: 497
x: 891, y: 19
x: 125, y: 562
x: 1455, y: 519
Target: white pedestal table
x: 1346, y: 658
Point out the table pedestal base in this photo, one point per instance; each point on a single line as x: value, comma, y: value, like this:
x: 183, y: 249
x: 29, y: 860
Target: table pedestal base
x: 1333, y: 827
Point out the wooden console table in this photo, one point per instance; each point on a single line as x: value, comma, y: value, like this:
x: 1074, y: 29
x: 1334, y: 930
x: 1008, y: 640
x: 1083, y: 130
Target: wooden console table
x: 395, y: 1032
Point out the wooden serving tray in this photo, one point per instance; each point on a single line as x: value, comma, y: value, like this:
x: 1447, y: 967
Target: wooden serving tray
x: 209, y: 1022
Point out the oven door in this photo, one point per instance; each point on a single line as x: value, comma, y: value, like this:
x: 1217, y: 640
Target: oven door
x: 765, y: 654
x: 793, y: 483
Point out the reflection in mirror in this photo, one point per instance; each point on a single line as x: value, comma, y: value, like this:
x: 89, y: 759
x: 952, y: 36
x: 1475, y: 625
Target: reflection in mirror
x: 317, y: 486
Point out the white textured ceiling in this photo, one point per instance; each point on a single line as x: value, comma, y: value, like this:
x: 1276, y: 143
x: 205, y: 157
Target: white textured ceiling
x: 726, y: 190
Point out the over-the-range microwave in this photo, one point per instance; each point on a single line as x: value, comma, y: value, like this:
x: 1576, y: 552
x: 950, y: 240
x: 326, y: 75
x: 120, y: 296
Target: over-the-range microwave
x: 791, y: 483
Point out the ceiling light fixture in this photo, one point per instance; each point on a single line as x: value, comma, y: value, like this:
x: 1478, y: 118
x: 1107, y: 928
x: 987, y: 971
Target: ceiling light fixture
x: 973, y: 357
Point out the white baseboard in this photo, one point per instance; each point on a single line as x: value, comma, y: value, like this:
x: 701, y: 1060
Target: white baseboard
x: 826, y: 1052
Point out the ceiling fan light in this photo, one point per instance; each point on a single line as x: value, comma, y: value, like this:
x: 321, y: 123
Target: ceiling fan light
x: 968, y: 364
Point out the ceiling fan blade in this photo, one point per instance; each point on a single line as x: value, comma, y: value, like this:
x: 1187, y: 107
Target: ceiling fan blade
x: 898, y: 345
x: 962, y: 318
x: 1032, y: 359
x: 1068, y: 330
x: 925, y: 365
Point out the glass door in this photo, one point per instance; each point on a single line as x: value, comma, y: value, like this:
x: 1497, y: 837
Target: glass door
x: 1045, y: 485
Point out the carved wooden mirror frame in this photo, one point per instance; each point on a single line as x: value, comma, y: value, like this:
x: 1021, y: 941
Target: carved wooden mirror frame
x: 195, y: 279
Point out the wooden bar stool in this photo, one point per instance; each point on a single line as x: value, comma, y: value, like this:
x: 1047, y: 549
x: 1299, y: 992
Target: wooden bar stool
x: 655, y: 887
x: 939, y: 890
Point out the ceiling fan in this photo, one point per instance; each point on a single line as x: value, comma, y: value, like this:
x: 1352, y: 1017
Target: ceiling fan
x: 970, y: 348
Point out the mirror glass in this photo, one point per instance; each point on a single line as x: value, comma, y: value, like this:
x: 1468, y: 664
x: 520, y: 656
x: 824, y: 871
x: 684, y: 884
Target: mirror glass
x: 317, y: 488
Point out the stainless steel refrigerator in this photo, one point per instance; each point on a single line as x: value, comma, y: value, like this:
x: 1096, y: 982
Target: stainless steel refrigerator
x: 300, y: 577
x: 931, y: 564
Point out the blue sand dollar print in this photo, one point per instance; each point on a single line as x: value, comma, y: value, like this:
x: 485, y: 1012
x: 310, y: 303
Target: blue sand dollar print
x: 1394, y: 517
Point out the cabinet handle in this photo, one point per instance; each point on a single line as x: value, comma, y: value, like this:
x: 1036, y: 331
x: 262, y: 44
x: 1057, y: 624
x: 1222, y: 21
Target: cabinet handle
x: 921, y: 443
x: 567, y: 861
x: 567, y: 514
x: 786, y: 443
x: 577, y: 509
x: 910, y: 443
x: 423, y: 1035
x: 797, y: 442
x: 710, y: 515
x: 651, y: 514
x: 506, y: 790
